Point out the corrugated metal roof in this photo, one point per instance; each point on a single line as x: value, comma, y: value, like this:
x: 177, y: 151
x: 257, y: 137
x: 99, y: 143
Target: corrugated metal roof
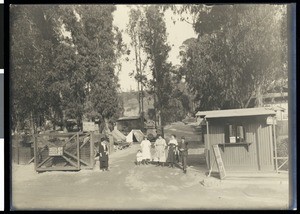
x: 237, y: 112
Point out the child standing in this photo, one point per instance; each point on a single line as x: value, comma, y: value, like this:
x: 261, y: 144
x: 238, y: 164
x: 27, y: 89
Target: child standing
x: 139, y: 157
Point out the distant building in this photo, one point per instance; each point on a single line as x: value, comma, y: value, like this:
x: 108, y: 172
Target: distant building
x: 279, y: 101
x: 126, y: 124
x: 276, y: 98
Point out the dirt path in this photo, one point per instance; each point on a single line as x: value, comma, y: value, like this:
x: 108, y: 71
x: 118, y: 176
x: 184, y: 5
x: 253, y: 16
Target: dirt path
x: 127, y: 186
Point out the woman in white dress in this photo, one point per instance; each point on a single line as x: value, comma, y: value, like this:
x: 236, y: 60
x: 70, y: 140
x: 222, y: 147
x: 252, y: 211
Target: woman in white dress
x: 145, y: 147
x: 160, y: 149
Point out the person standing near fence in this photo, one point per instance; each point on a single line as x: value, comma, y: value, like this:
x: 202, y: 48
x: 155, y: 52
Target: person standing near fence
x: 103, y: 154
x: 183, y: 153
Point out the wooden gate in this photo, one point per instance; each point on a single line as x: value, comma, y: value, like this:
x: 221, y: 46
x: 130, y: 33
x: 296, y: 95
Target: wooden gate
x: 63, y: 151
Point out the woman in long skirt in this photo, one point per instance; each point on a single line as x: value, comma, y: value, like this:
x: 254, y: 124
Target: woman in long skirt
x: 103, y: 155
x: 160, y: 147
x: 172, y: 151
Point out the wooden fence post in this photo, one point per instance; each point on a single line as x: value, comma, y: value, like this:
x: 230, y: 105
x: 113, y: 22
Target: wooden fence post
x: 258, y: 147
x: 208, y: 146
x: 275, y: 147
x: 35, y: 152
x: 92, y: 159
x: 78, y: 156
x: 111, y: 143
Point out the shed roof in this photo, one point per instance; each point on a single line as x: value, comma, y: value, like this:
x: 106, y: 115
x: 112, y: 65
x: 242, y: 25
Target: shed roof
x: 237, y: 112
x: 129, y: 118
x: 278, y: 108
x: 203, y: 113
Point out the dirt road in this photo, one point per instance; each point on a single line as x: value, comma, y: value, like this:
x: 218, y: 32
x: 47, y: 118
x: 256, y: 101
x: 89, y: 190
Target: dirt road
x: 127, y: 186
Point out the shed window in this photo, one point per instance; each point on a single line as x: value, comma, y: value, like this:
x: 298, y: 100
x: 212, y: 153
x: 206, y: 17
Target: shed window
x: 234, y: 133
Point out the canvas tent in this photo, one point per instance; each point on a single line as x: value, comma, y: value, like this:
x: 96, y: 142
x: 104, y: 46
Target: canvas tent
x: 118, y: 136
x: 134, y: 136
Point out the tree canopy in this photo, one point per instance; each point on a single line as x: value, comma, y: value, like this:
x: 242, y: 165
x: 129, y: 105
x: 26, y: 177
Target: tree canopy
x: 147, y: 29
x: 64, y: 59
x: 240, y: 50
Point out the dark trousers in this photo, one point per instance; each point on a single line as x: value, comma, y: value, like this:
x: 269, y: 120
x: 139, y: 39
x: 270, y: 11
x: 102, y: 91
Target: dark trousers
x: 184, y: 162
x: 103, y: 163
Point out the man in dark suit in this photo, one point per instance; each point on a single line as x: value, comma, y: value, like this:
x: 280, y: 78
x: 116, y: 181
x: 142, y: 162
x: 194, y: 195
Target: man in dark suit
x: 184, y: 153
x: 103, y: 154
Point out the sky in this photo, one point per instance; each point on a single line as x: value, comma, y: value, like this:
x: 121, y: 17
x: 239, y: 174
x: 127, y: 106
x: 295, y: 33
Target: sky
x: 177, y: 33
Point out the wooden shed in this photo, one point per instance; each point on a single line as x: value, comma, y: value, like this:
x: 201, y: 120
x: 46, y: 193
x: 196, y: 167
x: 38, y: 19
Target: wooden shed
x: 245, y: 138
x: 126, y: 124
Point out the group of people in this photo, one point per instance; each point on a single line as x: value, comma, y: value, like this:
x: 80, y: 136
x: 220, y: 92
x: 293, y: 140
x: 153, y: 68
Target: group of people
x: 170, y: 153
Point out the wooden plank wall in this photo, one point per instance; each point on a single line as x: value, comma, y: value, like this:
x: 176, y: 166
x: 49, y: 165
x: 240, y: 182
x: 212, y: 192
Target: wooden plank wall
x: 265, y: 147
x: 258, y: 156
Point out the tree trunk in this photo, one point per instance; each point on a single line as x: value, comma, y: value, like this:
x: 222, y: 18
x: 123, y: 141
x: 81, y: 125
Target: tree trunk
x: 161, y: 124
x: 142, y: 99
x: 139, y: 97
x: 64, y: 120
x: 16, y: 126
x: 155, y: 116
x: 259, y: 97
x: 140, y: 72
x: 31, y: 123
x: 107, y: 130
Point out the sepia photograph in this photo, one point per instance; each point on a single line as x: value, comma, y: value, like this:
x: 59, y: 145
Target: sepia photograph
x: 150, y: 107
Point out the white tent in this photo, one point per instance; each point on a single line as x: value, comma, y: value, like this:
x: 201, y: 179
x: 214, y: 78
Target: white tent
x: 118, y: 136
x: 135, y: 136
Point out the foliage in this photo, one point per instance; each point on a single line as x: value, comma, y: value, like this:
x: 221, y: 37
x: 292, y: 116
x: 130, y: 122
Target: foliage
x: 147, y: 30
x: 95, y: 45
x: 64, y: 76
x: 239, y: 52
x: 33, y: 38
x: 154, y: 40
x: 134, y: 31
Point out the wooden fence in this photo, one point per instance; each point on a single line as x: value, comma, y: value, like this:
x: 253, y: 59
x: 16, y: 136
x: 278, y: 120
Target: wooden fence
x: 67, y: 151
x: 282, y: 146
x: 282, y: 128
